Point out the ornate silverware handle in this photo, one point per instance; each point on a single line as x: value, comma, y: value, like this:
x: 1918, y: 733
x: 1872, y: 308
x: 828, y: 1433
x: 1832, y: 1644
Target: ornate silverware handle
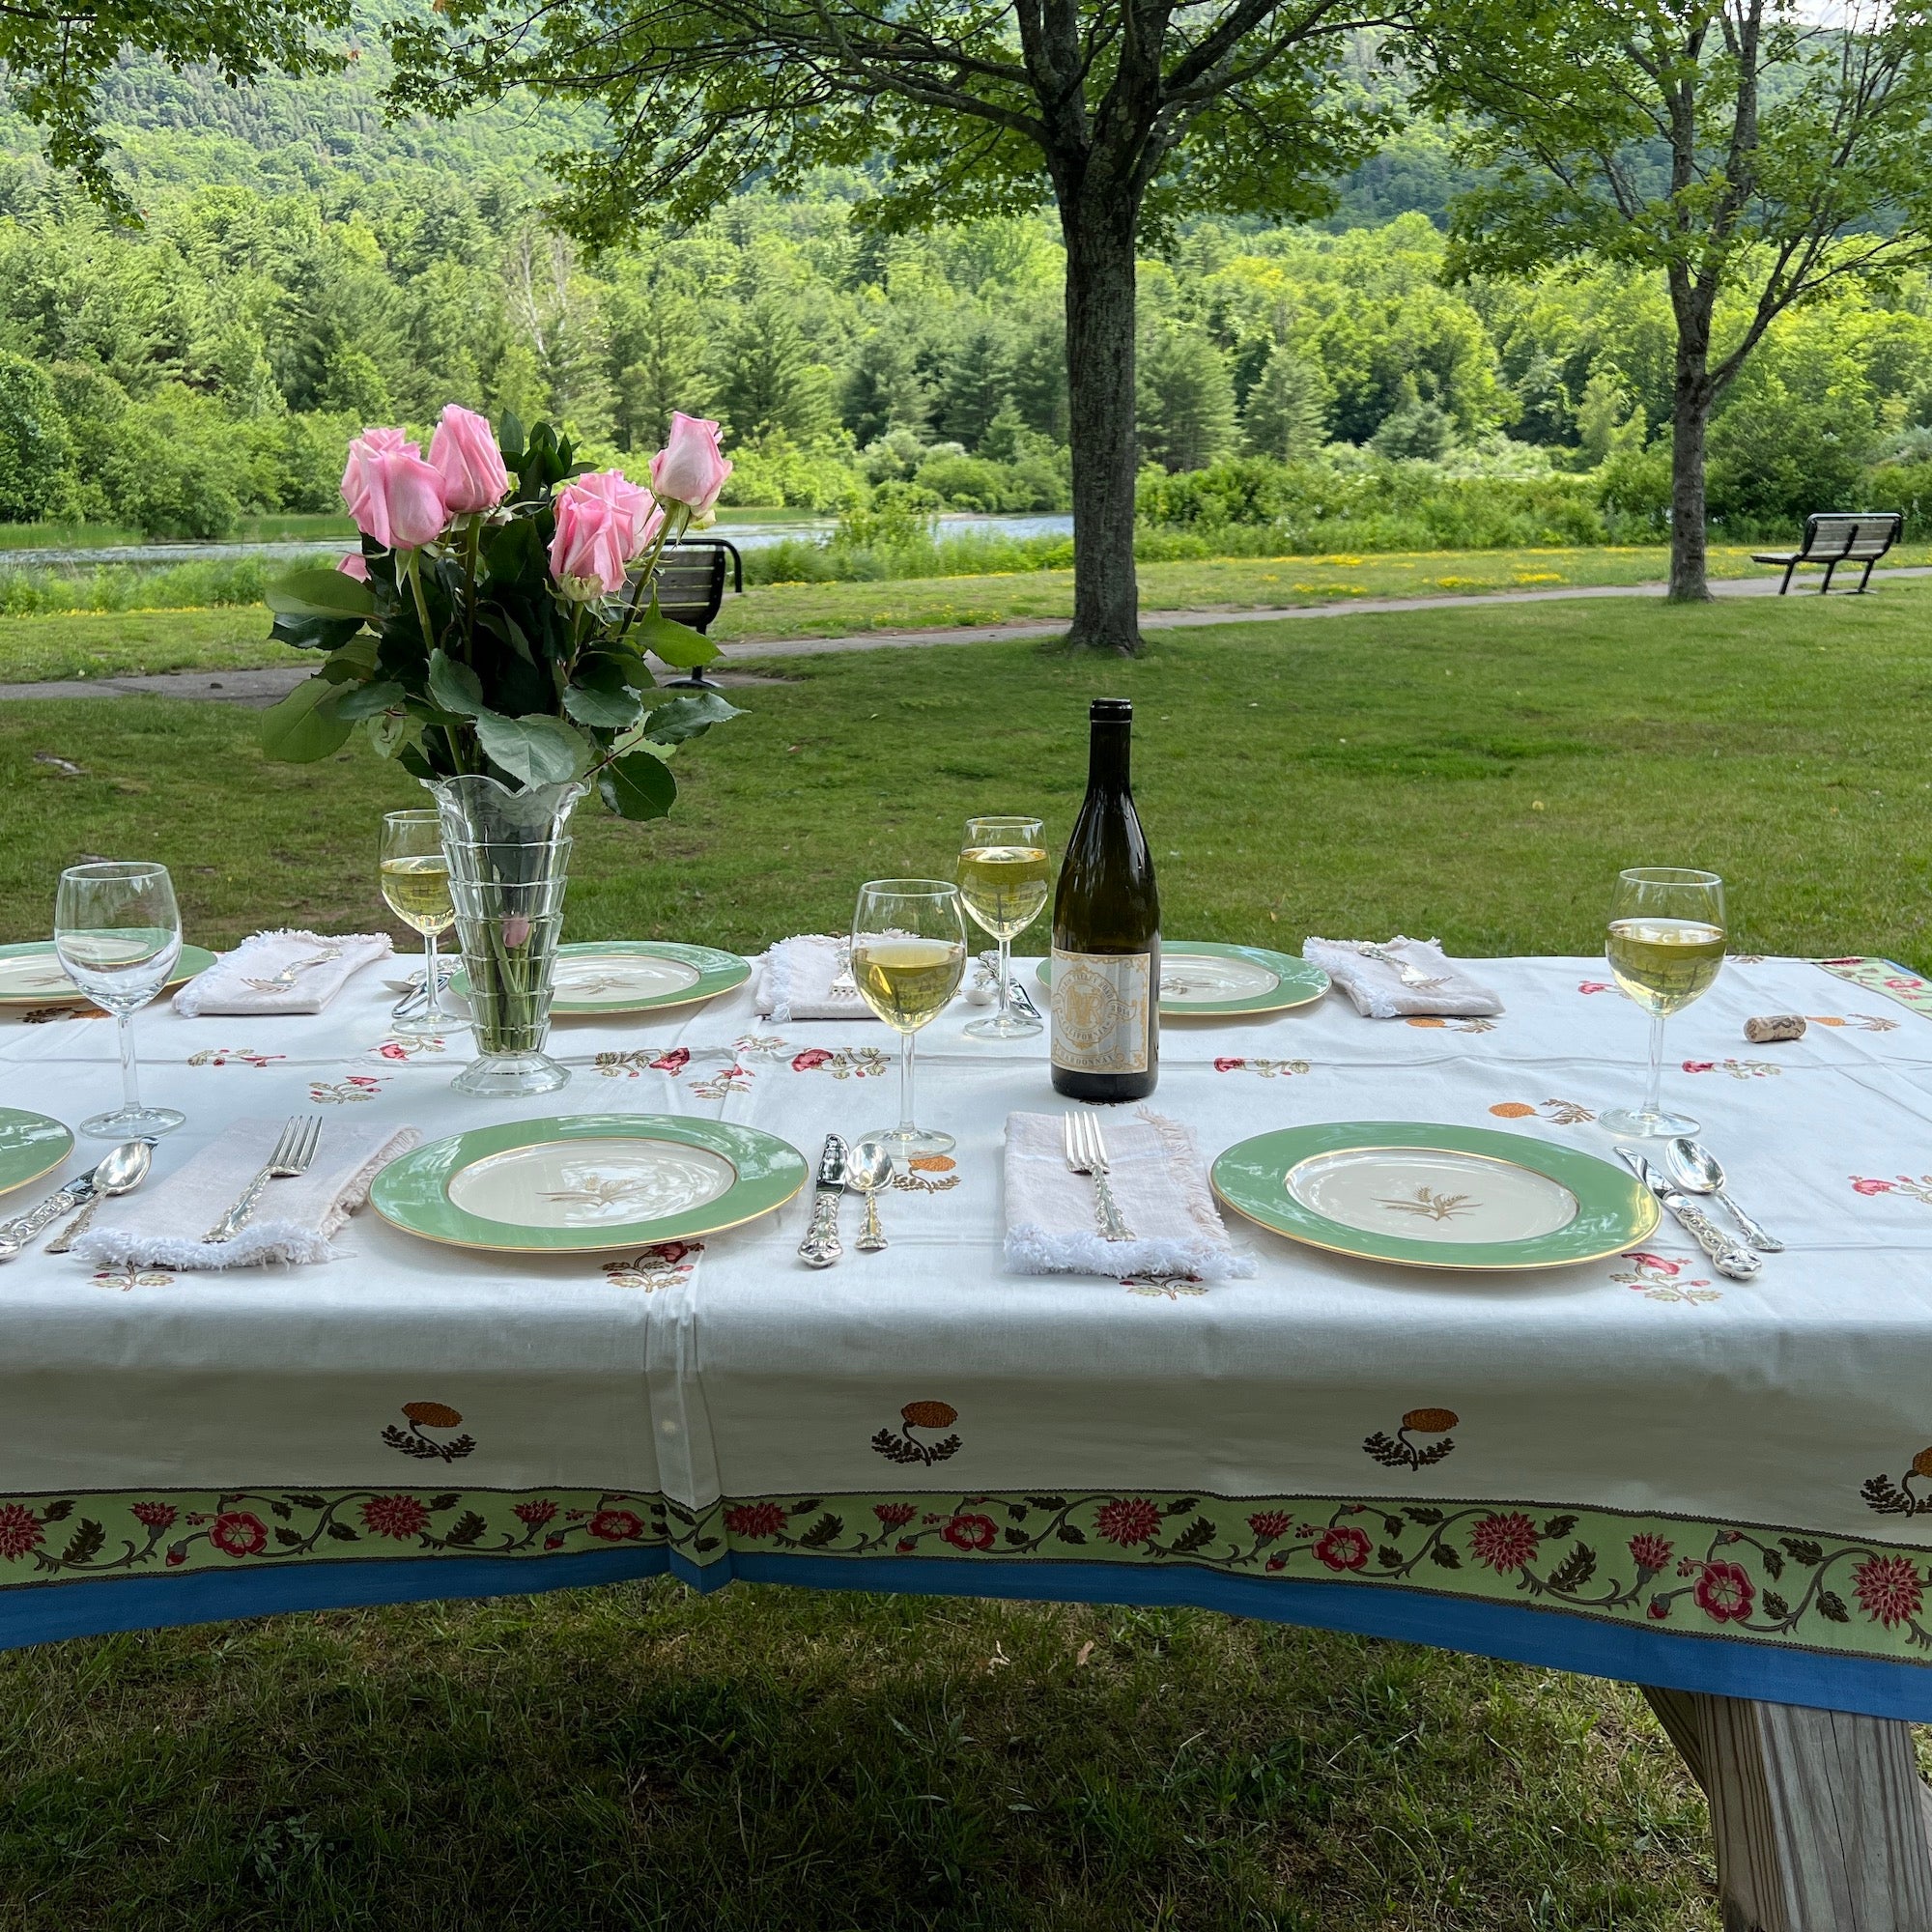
x: 231, y: 1223
x: 15, y: 1235
x: 1764, y: 1242
x: 821, y: 1246
x: 1113, y: 1224
x: 871, y: 1237
x: 77, y: 1227
x: 1725, y: 1255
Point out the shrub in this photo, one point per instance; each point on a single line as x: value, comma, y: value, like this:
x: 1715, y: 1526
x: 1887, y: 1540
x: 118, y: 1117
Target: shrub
x: 174, y: 466
x: 774, y: 471
x: 36, y: 448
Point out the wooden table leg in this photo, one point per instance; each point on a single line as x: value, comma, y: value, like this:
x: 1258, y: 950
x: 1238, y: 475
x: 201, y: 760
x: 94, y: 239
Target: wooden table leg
x: 1821, y: 1822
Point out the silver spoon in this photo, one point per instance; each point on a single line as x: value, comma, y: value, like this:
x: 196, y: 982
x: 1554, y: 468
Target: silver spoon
x: 1699, y: 1170
x: 123, y: 1171
x: 868, y: 1168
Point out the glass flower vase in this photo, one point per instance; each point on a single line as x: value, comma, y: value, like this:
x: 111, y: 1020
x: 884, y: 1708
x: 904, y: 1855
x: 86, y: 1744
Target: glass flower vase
x: 509, y: 865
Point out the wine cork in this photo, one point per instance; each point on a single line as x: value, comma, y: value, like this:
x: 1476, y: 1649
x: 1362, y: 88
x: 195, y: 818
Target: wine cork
x: 1774, y: 1026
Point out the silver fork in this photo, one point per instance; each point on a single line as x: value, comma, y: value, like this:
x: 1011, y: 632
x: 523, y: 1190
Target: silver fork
x: 1087, y: 1153
x: 1409, y: 973
x: 289, y: 974
x: 291, y: 1156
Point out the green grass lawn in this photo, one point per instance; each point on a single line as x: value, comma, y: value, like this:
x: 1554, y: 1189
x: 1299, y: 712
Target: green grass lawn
x: 783, y: 1761
x: 85, y: 644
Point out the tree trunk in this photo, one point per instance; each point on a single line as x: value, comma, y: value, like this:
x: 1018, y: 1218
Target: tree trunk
x: 1099, y: 228
x: 1690, y: 417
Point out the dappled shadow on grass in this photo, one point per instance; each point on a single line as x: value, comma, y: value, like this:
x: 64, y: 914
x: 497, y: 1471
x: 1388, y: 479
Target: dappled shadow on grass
x: 637, y: 1756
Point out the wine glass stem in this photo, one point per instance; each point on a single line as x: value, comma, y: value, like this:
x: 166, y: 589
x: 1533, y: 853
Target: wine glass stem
x: 1006, y: 977
x: 130, y: 1082
x: 1654, y: 1098
x: 905, y: 1083
x: 432, y: 991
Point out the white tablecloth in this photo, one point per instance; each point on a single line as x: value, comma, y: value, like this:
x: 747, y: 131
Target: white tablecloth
x: 1632, y: 1466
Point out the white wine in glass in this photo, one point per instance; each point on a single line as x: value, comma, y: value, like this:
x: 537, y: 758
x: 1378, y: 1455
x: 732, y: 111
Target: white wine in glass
x: 908, y: 957
x: 117, y: 930
x: 1666, y: 946
x: 414, y: 874
x: 1004, y: 878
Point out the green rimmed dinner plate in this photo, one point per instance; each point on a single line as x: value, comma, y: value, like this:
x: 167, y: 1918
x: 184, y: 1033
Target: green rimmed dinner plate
x: 1434, y: 1197
x: 31, y: 974
x: 1204, y: 978
x: 582, y: 1182
x: 30, y: 1145
x: 635, y: 976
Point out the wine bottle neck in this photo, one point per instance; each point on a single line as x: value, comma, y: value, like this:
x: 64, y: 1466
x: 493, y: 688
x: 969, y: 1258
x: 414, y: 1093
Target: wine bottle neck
x: 1108, y: 758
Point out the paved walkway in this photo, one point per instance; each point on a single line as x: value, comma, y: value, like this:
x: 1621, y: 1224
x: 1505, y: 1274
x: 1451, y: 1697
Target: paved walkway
x: 259, y: 687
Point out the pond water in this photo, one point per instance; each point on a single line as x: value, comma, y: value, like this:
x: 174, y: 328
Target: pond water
x: 746, y: 536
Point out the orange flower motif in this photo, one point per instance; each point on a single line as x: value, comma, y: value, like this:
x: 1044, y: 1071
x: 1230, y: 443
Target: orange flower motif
x: 1513, y: 1110
x: 1431, y: 1421
x: 1425, y: 1020
x: 929, y: 1415
x: 1921, y: 1464
x: 432, y: 1414
x: 933, y: 1163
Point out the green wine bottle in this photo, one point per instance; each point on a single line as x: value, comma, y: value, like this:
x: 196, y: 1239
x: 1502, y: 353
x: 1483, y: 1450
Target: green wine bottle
x: 1106, y: 933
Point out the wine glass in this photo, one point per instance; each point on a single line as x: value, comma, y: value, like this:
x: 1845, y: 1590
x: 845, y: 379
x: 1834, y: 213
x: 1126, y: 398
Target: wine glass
x: 1665, y: 944
x: 117, y: 930
x: 414, y: 872
x: 908, y: 955
x: 1002, y: 881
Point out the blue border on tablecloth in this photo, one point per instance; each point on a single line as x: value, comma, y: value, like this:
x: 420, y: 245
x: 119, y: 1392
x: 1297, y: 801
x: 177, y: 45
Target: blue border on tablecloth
x: 1556, y: 1639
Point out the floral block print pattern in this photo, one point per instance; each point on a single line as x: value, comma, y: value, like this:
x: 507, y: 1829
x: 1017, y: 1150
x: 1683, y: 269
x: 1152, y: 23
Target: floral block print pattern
x: 1883, y: 975
x: 1831, y: 1594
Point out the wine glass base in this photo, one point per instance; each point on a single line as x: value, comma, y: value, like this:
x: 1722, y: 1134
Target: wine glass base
x: 510, y: 1076
x: 132, y: 1124
x: 1012, y: 1026
x: 1638, y: 1124
x: 425, y: 1026
x: 906, y: 1143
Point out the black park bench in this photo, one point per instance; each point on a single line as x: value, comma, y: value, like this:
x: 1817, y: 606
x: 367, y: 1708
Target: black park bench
x: 691, y: 590
x: 1839, y: 536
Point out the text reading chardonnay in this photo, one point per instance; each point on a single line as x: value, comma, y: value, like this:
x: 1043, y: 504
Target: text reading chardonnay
x: 1106, y: 933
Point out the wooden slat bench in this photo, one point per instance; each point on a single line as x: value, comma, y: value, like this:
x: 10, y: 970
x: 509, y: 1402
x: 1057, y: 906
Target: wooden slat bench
x: 1839, y: 536
x: 691, y: 590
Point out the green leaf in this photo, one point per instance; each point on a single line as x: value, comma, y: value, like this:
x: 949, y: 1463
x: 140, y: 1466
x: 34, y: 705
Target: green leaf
x: 369, y: 700
x: 303, y: 726
x: 640, y: 786
x: 612, y: 710
x: 535, y: 749
x: 312, y: 592
x: 682, y: 717
x: 393, y: 732
x: 510, y: 438
x: 455, y: 687
x: 314, y: 633
x: 676, y: 644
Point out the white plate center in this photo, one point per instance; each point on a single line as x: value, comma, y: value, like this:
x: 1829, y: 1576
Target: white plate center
x: 34, y: 973
x: 1189, y: 977
x: 590, y: 1183
x: 1431, y: 1194
x: 621, y: 975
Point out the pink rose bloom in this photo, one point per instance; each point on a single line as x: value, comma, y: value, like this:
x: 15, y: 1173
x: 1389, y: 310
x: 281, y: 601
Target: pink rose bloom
x: 690, y: 468
x: 463, y: 453
x: 355, y: 565
x: 638, y: 514
x: 392, y: 493
x: 592, y: 544
x: 1870, y: 1187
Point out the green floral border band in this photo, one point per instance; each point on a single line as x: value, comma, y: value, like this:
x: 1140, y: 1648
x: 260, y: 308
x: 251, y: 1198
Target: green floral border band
x: 1886, y: 977
x: 1843, y: 1595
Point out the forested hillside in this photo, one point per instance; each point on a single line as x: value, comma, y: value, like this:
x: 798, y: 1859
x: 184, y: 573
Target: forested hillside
x: 303, y: 270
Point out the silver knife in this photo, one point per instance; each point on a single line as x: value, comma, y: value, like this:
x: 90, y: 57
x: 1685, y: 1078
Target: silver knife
x: 821, y: 1246
x: 1726, y: 1256
x: 16, y: 1234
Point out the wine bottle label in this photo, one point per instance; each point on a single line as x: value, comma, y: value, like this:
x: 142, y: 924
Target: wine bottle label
x: 1100, y: 1011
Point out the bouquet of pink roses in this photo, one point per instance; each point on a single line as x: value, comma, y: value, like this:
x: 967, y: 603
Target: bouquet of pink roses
x: 497, y: 616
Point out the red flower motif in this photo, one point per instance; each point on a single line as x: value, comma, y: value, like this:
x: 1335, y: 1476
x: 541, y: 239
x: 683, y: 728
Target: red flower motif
x: 20, y: 1531
x: 1861, y: 1185
x: 553, y: 1541
x: 1342, y: 1549
x: 1700, y: 1067
x: 1644, y: 1259
x: 1650, y: 1553
x: 1229, y: 1063
x: 1659, y: 1607
x: 971, y: 1532
x: 237, y: 1533
x: 812, y: 1057
x: 1505, y: 1543
x: 670, y: 1253
x: 616, y: 1525
x: 1888, y: 1588
x: 906, y: 1545
x: 755, y: 1519
x: 400, y: 1517
x: 393, y: 1051
x: 1269, y: 1525
x: 1129, y: 1520
x: 539, y: 1512
x: 673, y: 1062
x: 1725, y: 1592
x: 892, y: 1515
x: 156, y: 1516
x: 1595, y: 987
x: 1279, y: 1560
